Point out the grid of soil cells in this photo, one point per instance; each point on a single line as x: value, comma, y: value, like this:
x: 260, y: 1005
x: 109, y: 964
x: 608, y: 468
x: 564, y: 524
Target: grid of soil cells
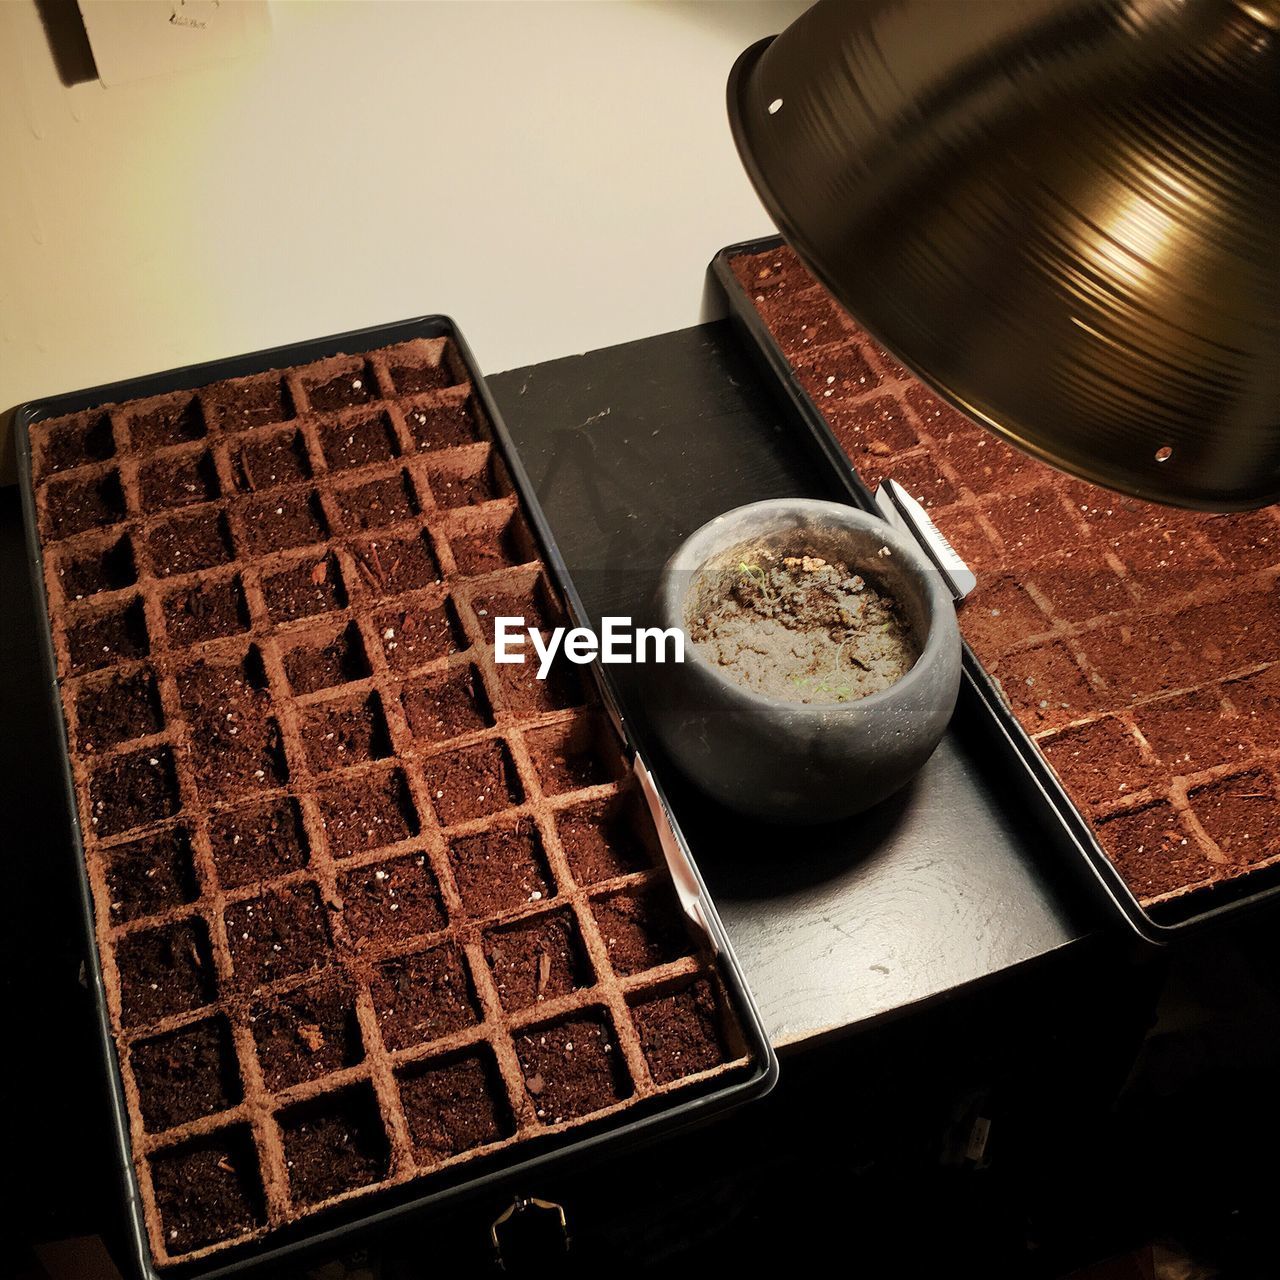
x: 367, y: 904
x: 1134, y: 642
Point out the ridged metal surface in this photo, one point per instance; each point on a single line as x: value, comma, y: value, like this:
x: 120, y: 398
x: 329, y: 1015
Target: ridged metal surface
x: 1063, y: 214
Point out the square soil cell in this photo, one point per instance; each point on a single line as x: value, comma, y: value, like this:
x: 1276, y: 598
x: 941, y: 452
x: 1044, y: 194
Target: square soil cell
x: 186, y: 1074
x: 1138, y: 657
x: 1238, y: 813
x: 999, y: 614
x: 443, y: 425
x: 448, y: 705
x: 132, y: 790
x: 358, y: 440
x: 241, y: 403
x: 177, y: 480
x: 531, y: 603
x: 464, y: 477
x: 919, y: 475
x: 680, y: 1032
x: 601, y: 839
x: 984, y: 463
x: 969, y: 540
x: 1257, y: 699
x: 879, y: 427
x: 258, y: 843
x: 485, y: 546
x: 367, y: 812
x: 115, y: 709
x: 391, y: 901
x: 280, y: 933
x: 572, y: 1067
x: 642, y: 928
x: 344, y: 732
x: 340, y: 385
x: 269, y: 459
x: 539, y: 958
x: 1194, y: 731
x: 527, y: 694
x: 573, y: 756
x: 205, y: 611
x: 210, y: 688
x: 208, y: 1190
x: 414, y: 635
x: 151, y: 875
x: 307, y: 587
x: 312, y: 667
x: 76, y: 504
x: 106, y: 566
x: 107, y: 636
x: 414, y: 371
x: 454, y: 1104
x: 165, y: 970
x: 1154, y: 852
x: 390, y: 565
x: 1076, y: 590
x: 1044, y: 686
x: 1246, y: 540
x: 333, y: 1144
x: 836, y: 375
x: 189, y: 543
x: 501, y: 869
x: 1229, y: 634
x: 75, y: 441
x: 1033, y: 524
x: 282, y: 521
x: 803, y: 318
x: 422, y: 997
x: 938, y: 418
x: 472, y: 782
x: 306, y: 1033
x: 377, y: 503
x: 167, y: 420
x: 1099, y: 762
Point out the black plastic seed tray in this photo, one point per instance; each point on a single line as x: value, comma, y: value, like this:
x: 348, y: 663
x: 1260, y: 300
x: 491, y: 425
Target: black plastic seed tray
x: 752, y: 1068
x: 1070, y: 840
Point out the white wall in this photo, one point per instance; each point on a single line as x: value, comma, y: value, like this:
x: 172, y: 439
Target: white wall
x: 554, y: 174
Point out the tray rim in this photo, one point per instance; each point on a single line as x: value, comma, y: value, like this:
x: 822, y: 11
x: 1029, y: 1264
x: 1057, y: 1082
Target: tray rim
x: 346, y: 1222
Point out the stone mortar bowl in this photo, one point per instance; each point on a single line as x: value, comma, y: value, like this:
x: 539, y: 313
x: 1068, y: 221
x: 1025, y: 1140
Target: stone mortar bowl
x: 793, y: 761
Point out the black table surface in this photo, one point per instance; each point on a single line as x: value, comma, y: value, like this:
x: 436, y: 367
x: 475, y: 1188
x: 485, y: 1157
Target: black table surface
x: 630, y: 449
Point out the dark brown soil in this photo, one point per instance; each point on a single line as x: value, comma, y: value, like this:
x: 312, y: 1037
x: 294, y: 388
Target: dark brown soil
x: 151, y: 875
x: 988, y: 465
x: 537, y: 959
x: 174, y: 421
x: 487, y: 549
x: 599, y: 841
x: 571, y: 1068
x: 1238, y: 813
x: 878, y: 427
x: 178, y: 481
x: 208, y: 1190
x: 280, y: 933
x: 306, y: 1033
x: 102, y: 568
x: 205, y: 611
x: 999, y: 613
x: 1099, y: 762
x: 920, y: 477
x: 569, y: 757
x: 1193, y: 731
x: 562, y: 689
x: 304, y: 589
x: 132, y: 790
x: 460, y: 481
x: 1134, y: 659
x: 641, y: 929
x: 276, y: 523
x: 442, y: 426
x: 248, y: 402
x: 1247, y: 540
x: 1033, y: 525
x: 334, y: 1144
x: 838, y: 374
x: 116, y: 709
x: 798, y: 628
x: 357, y: 441
x: 446, y: 706
x: 346, y: 732
x: 367, y: 813
x: 422, y: 997
x: 165, y: 970
x: 1076, y: 592
x: 108, y: 636
x: 83, y: 439
x: 680, y: 1033
x: 75, y: 504
x: 269, y: 460
x: 390, y: 901
x: 471, y: 782
x: 410, y: 379
x: 258, y: 843
x: 378, y: 503
x: 1153, y: 851
x: 1257, y: 698
x: 311, y: 668
x: 344, y: 391
x: 186, y: 1074
x: 533, y: 605
x: 501, y: 869
x: 418, y: 634
x: 454, y: 1104
x: 186, y: 544
x: 389, y: 565
x: 1044, y: 685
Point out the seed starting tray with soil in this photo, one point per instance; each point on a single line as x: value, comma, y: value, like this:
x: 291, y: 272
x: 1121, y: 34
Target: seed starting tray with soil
x: 1127, y: 647
x: 370, y: 911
